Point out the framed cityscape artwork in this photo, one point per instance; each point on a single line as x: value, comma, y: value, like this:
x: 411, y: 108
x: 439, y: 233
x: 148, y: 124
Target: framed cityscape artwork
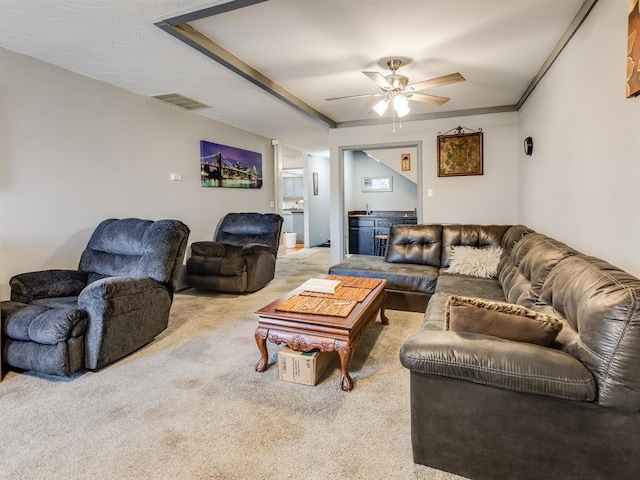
x: 224, y: 166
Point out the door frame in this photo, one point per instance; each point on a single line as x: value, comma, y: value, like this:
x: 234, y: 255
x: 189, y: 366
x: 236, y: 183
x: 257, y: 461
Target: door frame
x: 338, y: 249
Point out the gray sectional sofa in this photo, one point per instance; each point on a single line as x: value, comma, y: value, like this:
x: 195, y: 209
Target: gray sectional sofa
x: 489, y: 408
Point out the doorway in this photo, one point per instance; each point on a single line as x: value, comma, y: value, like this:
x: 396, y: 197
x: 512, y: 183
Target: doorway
x: 292, y: 199
x: 339, y: 249
x: 303, y: 191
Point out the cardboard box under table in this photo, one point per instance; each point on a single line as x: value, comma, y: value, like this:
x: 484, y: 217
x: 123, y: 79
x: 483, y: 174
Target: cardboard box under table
x: 302, y: 367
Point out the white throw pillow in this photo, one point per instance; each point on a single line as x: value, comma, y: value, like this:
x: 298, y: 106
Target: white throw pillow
x: 479, y: 262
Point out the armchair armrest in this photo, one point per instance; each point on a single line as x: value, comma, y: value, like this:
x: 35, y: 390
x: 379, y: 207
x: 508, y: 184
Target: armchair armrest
x: 256, y: 249
x: 208, y: 249
x: 124, y: 314
x: 492, y: 361
x: 27, y: 287
x: 111, y: 288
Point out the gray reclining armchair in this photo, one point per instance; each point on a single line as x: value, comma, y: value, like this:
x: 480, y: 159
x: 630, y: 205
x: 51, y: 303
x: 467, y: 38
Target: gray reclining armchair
x: 241, y: 259
x: 59, y: 321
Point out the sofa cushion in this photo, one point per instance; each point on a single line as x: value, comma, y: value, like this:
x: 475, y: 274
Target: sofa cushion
x: 45, y: 325
x: 463, y: 285
x: 415, y: 244
x: 467, y: 286
x: 407, y: 277
x: 504, y: 320
x: 478, y: 262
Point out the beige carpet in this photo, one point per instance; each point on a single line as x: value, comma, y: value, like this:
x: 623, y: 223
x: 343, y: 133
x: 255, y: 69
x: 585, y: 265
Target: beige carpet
x: 191, y: 406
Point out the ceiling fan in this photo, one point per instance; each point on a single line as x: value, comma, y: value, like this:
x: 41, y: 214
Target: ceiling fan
x: 396, y: 90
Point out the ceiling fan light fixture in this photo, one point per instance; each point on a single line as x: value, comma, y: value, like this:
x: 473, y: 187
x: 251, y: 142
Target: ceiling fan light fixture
x: 381, y: 106
x: 401, y: 105
x: 397, y: 91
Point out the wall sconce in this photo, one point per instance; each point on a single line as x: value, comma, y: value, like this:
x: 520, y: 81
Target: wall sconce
x: 528, y: 146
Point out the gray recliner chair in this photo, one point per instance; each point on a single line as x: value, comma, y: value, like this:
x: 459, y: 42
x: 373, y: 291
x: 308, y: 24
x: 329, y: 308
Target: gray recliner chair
x: 60, y: 321
x: 241, y: 259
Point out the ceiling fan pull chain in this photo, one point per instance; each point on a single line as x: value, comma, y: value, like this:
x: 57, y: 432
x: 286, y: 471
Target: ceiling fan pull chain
x: 393, y: 115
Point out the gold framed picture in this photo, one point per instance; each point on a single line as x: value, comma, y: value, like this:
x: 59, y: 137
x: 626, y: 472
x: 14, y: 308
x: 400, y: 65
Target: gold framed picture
x: 405, y: 160
x: 460, y: 153
x: 633, y: 50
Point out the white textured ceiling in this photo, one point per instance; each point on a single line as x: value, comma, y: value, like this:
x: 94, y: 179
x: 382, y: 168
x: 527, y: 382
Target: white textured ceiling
x: 313, y: 49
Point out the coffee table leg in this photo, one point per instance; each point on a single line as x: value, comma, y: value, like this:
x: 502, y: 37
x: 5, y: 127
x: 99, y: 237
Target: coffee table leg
x: 345, y: 352
x: 383, y: 318
x: 261, y: 340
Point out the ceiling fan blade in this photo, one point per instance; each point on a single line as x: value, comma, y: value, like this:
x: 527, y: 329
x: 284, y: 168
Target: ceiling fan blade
x: 424, y: 98
x: 358, y: 96
x: 435, y: 82
x: 379, y: 79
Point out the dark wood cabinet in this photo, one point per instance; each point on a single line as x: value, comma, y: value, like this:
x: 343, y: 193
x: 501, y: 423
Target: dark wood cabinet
x: 361, y: 232
x: 363, y: 229
x: 365, y: 240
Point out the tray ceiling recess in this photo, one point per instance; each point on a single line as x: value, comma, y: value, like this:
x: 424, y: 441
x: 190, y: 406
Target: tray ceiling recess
x: 178, y: 26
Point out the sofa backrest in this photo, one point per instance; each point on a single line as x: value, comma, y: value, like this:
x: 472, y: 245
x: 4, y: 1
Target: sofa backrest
x: 513, y: 236
x: 240, y: 229
x: 523, y: 272
x: 432, y: 244
x: 599, y: 304
x: 480, y: 236
x: 136, y: 248
x: 601, y: 307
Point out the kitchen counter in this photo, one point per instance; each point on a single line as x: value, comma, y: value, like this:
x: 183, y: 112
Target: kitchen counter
x: 383, y: 213
x: 380, y: 215
x: 364, y: 227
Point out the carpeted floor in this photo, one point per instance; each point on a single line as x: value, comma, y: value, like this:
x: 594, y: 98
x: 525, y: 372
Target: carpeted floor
x: 191, y: 406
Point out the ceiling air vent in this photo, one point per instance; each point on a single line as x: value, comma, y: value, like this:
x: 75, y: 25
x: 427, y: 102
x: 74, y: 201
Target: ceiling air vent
x: 180, y: 101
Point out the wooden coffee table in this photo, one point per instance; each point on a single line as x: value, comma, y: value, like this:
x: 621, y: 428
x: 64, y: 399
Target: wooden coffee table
x: 304, y: 332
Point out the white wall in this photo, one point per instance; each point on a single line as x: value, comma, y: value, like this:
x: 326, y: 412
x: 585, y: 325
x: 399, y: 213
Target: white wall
x: 317, y: 206
x: 357, y: 165
x: 74, y: 151
x: 581, y: 183
x: 488, y: 198
x: 392, y: 158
